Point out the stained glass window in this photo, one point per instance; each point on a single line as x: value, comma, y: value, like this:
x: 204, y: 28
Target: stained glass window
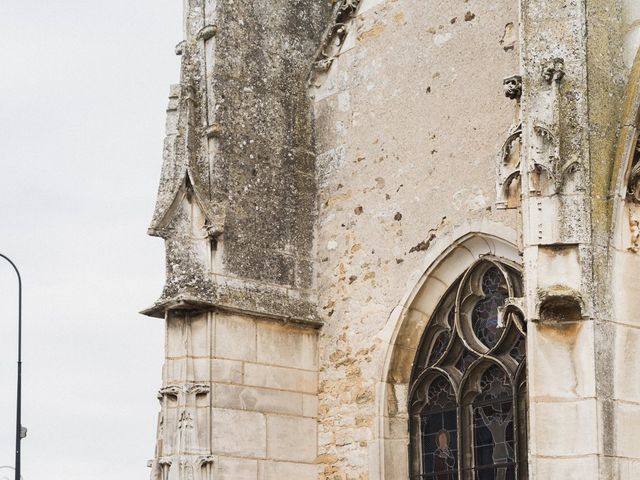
x: 493, y: 427
x: 485, y: 313
x: 468, y: 407
x: 439, y: 432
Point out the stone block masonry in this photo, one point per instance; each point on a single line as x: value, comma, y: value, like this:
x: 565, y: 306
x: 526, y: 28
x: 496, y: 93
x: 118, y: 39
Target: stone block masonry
x: 228, y: 396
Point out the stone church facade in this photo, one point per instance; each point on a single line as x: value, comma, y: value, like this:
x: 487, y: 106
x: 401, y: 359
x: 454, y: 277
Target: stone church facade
x: 402, y: 242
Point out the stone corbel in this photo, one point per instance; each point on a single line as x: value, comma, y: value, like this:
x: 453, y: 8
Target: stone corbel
x: 205, y: 460
x: 213, y: 131
x: 204, y: 465
x: 196, y: 388
x: 180, y: 391
x: 214, y: 229
x: 169, y: 391
x: 160, y: 468
x: 186, y: 388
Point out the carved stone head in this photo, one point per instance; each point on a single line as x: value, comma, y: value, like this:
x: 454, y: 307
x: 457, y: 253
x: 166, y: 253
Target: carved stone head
x: 513, y: 87
x: 553, y: 70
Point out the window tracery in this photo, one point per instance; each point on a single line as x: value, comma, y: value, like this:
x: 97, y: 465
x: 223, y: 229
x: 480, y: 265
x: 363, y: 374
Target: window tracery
x: 467, y: 400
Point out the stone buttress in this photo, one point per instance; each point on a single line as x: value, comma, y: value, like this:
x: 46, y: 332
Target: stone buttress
x: 236, y: 208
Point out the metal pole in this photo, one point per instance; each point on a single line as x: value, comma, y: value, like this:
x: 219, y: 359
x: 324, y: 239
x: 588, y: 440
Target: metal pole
x: 7, y: 467
x: 19, y: 392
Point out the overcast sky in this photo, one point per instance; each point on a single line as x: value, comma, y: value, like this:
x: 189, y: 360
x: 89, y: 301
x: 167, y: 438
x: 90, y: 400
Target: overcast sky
x: 83, y: 92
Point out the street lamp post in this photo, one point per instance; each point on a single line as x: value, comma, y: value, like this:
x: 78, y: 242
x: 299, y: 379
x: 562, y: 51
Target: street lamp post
x: 20, y: 432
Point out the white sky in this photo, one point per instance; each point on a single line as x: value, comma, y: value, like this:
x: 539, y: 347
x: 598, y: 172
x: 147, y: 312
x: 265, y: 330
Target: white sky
x: 83, y: 91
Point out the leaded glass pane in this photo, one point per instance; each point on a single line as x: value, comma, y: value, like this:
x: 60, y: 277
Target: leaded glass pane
x: 518, y: 350
x: 439, y: 346
x: 439, y: 433
x: 485, y: 314
x: 465, y: 361
x: 493, y: 432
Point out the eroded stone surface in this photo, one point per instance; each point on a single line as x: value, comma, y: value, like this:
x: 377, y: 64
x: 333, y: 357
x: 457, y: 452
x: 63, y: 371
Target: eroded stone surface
x: 330, y: 170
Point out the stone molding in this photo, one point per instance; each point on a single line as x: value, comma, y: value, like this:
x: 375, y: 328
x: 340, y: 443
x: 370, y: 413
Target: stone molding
x: 256, y: 300
x: 344, y: 11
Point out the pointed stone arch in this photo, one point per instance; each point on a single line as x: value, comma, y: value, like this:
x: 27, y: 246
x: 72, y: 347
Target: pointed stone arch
x: 447, y: 260
x: 186, y: 189
x: 624, y: 267
x: 623, y: 166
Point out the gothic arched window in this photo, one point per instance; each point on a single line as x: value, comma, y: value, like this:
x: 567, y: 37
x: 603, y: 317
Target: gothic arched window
x: 468, y: 391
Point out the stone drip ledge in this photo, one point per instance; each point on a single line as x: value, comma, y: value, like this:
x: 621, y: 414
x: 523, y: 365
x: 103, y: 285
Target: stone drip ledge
x: 257, y: 301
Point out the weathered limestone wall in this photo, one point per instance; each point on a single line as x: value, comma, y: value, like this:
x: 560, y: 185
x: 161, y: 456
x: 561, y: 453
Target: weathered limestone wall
x: 240, y: 148
x: 239, y: 401
x: 557, y: 243
x: 410, y: 118
x: 578, y: 372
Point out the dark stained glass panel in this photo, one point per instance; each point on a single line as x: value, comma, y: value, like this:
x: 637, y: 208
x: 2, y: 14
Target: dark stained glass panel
x: 439, y: 433
x: 439, y: 346
x: 465, y: 361
x: 518, y: 350
x: 493, y: 432
x: 485, y: 314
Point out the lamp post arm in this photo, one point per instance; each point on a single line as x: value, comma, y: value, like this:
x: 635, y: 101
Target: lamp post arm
x: 19, y: 389
x: 2, y: 467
